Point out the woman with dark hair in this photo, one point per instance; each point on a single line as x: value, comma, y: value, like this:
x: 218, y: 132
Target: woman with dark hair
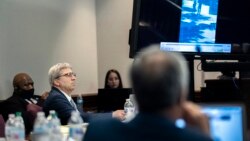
x: 113, y: 79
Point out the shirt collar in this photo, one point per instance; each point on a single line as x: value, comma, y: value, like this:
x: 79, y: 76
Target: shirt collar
x: 65, y: 94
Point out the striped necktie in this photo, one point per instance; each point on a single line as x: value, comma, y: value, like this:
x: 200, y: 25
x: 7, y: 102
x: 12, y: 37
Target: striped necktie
x: 73, y: 104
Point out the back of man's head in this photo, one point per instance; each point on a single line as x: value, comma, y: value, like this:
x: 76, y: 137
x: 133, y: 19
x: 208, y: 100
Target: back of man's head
x: 159, y: 79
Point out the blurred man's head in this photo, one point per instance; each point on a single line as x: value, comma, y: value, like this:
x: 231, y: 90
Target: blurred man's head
x: 159, y: 79
x: 23, y: 85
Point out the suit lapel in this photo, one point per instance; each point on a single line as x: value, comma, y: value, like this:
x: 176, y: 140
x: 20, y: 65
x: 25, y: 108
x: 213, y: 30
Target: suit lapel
x: 57, y: 90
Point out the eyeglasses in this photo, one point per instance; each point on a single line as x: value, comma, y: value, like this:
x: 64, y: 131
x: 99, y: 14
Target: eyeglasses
x: 70, y: 74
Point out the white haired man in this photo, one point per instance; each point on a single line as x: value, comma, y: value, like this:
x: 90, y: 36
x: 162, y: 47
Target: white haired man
x: 62, y: 80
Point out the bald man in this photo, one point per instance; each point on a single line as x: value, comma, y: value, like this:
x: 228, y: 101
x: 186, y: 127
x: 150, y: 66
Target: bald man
x: 23, y: 86
x: 22, y: 99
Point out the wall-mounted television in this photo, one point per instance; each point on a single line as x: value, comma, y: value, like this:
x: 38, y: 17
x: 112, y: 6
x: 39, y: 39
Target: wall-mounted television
x: 192, y: 26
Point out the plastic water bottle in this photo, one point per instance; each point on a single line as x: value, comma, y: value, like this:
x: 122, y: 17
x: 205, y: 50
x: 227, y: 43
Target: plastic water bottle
x: 134, y: 102
x: 19, y: 130
x: 129, y: 109
x: 50, y: 115
x: 54, y: 126
x: 9, y: 127
x: 79, y: 102
x: 75, y: 127
x: 41, y: 129
x: 19, y: 117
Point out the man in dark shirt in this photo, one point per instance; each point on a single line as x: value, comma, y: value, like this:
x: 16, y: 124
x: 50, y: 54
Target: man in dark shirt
x: 22, y: 100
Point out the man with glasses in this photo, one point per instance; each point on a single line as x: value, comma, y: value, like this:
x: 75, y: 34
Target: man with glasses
x: 63, y: 81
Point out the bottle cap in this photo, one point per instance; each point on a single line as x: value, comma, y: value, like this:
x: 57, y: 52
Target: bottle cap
x: 18, y: 114
x: 11, y: 115
x: 40, y: 114
x: 52, y: 112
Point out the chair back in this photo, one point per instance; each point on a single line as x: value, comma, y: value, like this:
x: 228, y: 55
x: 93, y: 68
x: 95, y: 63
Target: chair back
x: 2, y: 126
x: 32, y: 110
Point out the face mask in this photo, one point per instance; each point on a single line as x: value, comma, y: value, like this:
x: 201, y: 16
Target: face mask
x: 25, y: 94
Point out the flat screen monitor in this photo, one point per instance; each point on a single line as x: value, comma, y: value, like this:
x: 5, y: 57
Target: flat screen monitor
x: 217, y: 23
x: 227, y: 122
x: 112, y: 99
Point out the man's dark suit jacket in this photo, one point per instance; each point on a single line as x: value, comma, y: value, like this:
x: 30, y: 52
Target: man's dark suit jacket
x: 57, y: 101
x: 144, y: 127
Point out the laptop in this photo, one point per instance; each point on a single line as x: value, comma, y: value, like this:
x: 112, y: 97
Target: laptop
x: 227, y: 122
x: 112, y: 99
